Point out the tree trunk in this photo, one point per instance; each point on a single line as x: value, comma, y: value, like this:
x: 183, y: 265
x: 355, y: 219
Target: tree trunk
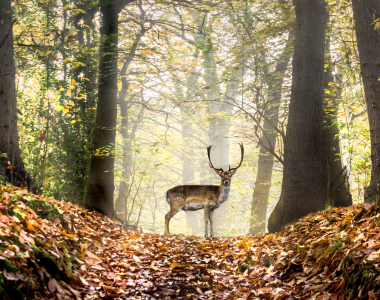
x: 368, y: 39
x: 268, y: 141
x: 217, y: 138
x: 11, y: 164
x: 304, y: 187
x: 124, y: 187
x: 100, y: 186
x: 188, y: 176
x: 338, y: 192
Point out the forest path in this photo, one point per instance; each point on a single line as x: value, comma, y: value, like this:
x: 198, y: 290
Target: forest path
x: 309, y: 259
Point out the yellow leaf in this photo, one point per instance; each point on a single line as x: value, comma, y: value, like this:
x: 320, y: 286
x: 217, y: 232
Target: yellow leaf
x: 5, y: 11
x: 86, y: 78
x: 71, y: 236
x: 269, y: 237
x: 175, y: 265
x: 68, y: 93
x: 83, y: 250
x: 61, y: 89
x: 78, y: 120
x: 73, y: 82
x: 66, y: 110
x: 28, y: 225
x: 377, y: 25
x: 73, y: 121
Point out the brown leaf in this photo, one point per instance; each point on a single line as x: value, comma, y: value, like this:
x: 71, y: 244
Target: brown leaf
x: 371, y: 295
x: 5, y: 11
x: 52, y: 285
x: 4, y: 219
x: 10, y: 276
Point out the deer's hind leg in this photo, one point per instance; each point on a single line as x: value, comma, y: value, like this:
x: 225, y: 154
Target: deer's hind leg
x: 168, y: 216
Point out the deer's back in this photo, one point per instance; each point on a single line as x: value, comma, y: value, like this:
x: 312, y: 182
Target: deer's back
x: 185, y: 194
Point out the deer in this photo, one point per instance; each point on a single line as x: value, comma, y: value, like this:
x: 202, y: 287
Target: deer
x: 195, y: 197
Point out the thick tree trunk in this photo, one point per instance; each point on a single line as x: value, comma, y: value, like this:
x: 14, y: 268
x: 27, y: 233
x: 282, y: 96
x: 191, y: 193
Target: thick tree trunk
x: 368, y: 39
x: 261, y: 191
x: 100, y: 186
x: 338, y: 192
x: 217, y: 137
x: 232, y: 93
x: 304, y: 187
x: 11, y: 166
x: 193, y: 219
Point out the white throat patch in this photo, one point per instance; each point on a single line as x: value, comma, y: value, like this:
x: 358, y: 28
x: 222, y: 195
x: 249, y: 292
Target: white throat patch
x: 224, y: 195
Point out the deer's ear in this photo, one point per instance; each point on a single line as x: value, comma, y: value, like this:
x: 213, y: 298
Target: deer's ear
x: 220, y: 173
x: 233, y: 172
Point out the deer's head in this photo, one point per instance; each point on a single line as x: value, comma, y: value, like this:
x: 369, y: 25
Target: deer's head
x: 226, y: 175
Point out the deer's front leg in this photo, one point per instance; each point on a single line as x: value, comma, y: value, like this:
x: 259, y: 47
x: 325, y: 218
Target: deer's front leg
x: 211, y: 229
x: 207, y: 217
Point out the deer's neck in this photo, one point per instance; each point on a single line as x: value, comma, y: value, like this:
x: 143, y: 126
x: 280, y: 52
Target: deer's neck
x: 224, y: 191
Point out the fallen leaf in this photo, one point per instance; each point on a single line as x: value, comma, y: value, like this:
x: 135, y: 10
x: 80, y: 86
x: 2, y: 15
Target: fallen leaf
x: 175, y: 265
x: 52, y: 285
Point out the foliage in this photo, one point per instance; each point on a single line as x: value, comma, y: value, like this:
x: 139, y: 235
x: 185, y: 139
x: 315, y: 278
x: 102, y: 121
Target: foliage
x: 99, y: 258
x: 162, y: 66
x: 35, y: 253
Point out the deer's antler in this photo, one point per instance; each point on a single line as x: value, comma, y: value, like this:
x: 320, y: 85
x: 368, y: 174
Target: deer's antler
x: 209, y: 158
x: 242, y: 156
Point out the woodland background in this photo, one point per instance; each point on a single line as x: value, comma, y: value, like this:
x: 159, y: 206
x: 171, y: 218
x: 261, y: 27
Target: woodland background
x: 189, y: 74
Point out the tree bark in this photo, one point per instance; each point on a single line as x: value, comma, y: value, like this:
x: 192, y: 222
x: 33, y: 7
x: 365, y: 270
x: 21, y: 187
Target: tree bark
x: 304, y: 187
x: 100, y: 186
x: 338, y: 192
x: 127, y: 133
x: 261, y: 191
x: 368, y: 39
x: 11, y: 165
x: 188, y: 169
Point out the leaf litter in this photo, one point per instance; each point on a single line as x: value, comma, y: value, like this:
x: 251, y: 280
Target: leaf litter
x: 94, y: 257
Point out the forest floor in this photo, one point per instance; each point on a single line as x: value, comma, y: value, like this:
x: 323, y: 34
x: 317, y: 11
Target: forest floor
x: 81, y: 254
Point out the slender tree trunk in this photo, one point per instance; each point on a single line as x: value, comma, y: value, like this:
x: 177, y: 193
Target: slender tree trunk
x: 121, y: 201
x: 100, y: 186
x: 304, y: 187
x: 368, y: 39
x: 124, y: 187
x: 268, y: 141
x: 11, y: 166
x: 338, y: 192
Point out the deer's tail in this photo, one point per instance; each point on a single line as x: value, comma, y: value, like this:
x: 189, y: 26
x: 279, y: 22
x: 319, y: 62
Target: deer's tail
x: 167, y: 198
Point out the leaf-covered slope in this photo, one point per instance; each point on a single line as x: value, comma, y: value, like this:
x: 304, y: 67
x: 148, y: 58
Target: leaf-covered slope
x: 96, y: 258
